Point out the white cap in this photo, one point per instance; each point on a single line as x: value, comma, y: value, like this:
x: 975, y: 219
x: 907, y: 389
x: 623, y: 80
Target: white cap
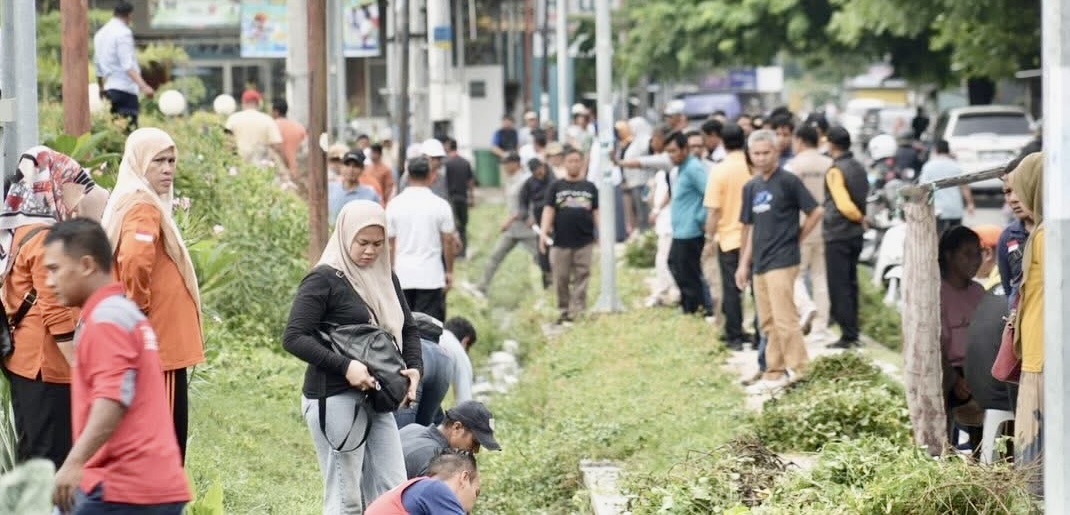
x: 674, y: 107
x: 579, y: 109
x: 432, y: 148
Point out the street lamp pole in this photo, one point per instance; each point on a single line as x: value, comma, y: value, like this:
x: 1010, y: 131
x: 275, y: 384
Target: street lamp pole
x: 1056, y: 78
x: 18, y: 108
x: 608, y: 300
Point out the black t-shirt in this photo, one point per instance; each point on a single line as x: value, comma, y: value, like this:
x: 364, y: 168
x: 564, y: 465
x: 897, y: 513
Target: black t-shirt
x: 533, y: 196
x: 772, y: 208
x: 458, y: 174
x: 574, y: 203
x: 985, y: 334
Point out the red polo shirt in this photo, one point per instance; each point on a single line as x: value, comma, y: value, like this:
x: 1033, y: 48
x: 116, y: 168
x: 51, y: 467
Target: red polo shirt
x: 116, y: 358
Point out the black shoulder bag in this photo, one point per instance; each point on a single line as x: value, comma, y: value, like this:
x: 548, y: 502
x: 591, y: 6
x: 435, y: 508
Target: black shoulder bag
x: 377, y: 349
x: 9, y: 323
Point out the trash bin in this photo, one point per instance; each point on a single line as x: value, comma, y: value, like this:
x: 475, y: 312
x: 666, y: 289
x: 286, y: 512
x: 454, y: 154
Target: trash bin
x: 487, y: 168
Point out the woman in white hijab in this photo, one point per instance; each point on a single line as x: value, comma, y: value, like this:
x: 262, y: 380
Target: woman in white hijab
x: 352, y: 284
x: 152, y: 262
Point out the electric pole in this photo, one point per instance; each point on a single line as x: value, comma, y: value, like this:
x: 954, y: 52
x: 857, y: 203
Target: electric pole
x: 1056, y: 72
x: 297, y: 66
x: 402, y: 93
x: 317, y: 125
x: 74, y: 17
x: 18, y: 84
x: 561, y: 35
x: 336, y: 90
x: 608, y: 301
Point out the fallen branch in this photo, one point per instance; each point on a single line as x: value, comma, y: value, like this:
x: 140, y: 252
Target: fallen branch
x: 921, y: 191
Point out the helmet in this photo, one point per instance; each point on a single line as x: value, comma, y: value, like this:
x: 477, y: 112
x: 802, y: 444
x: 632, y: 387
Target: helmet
x: 882, y: 146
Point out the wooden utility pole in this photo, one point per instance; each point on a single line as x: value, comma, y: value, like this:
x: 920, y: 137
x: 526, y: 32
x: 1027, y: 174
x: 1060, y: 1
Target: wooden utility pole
x: 74, y: 16
x: 922, y: 355
x: 317, y: 125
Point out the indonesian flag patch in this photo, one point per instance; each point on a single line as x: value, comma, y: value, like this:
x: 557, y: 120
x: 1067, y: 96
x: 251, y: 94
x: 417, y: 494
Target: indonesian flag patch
x: 146, y: 237
x: 1012, y: 246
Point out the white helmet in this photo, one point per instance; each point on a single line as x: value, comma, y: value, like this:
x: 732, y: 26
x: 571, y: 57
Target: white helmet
x: 882, y: 146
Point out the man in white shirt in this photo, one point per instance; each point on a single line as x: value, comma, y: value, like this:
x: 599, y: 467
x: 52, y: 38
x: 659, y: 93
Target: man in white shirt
x: 116, y: 62
x: 421, y: 231
x: 255, y: 131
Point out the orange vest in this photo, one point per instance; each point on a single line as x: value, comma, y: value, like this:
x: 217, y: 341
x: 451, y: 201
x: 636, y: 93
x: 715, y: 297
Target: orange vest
x: 390, y: 502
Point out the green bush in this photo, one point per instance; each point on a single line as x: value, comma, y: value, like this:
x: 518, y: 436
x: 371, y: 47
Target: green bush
x: 876, y: 475
x: 730, y: 478
x: 845, y: 397
x: 640, y: 252
x: 880, y: 322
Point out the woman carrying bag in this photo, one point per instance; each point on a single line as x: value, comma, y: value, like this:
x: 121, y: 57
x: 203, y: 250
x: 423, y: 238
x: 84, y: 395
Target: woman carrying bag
x: 357, y: 443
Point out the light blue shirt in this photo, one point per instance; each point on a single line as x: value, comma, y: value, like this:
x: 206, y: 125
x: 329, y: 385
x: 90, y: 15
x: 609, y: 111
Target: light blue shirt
x: 338, y: 196
x: 688, y: 213
x: 114, y: 55
x: 947, y: 202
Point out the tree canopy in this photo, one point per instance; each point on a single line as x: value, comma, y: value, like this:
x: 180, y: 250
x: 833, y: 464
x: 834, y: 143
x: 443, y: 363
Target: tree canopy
x: 926, y: 40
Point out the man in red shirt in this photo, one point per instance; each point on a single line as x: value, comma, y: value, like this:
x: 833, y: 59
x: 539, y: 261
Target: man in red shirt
x: 122, y: 459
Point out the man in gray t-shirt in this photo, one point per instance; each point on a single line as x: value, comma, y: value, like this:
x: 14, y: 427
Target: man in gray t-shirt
x: 468, y: 426
x: 950, y: 204
x: 772, y: 201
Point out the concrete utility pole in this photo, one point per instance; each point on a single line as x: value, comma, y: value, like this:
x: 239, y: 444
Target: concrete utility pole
x: 439, y: 46
x: 529, y: 52
x: 544, y: 32
x: 297, y: 66
x: 18, y: 109
x: 608, y: 300
x: 561, y: 35
x: 402, y: 92
x: 74, y: 16
x: 1056, y: 80
x: 418, y: 82
x: 317, y: 125
x: 337, y: 114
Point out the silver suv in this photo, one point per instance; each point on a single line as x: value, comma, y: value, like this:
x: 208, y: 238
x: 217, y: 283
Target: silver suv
x: 983, y: 137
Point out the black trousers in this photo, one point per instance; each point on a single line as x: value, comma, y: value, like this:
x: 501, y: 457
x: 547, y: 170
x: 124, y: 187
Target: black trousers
x: 42, y: 418
x: 841, y: 262
x: 944, y: 224
x: 685, y: 263
x: 460, y: 218
x: 124, y: 104
x: 176, y: 384
x: 731, y: 298
x: 428, y: 302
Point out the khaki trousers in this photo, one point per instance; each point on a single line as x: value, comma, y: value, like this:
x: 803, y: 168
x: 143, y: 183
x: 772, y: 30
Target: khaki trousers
x: 571, y: 269
x: 774, y: 293
x: 817, y: 298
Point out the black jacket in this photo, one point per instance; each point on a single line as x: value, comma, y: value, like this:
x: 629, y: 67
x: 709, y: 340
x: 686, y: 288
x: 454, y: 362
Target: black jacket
x: 835, y: 226
x: 322, y: 298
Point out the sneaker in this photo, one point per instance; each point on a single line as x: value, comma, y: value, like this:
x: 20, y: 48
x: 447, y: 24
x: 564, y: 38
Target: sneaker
x: 807, y: 321
x: 767, y: 386
x: 752, y: 379
x: 843, y: 344
x: 736, y: 345
x: 564, y: 321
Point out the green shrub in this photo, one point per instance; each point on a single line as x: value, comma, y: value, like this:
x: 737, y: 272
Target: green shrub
x: 735, y: 476
x: 880, y: 322
x: 640, y: 252
x: 876, y: 475
x: 845, y: 397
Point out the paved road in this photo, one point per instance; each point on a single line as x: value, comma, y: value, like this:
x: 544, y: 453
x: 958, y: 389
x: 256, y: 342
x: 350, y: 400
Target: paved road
x: 986, y: 215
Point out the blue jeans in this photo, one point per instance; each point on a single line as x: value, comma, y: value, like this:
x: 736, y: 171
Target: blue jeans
x: 354, y: 477
x: 438, y: 374
x: 94, y: 503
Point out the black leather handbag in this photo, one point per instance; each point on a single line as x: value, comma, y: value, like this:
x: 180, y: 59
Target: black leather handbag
x: 377, y: 349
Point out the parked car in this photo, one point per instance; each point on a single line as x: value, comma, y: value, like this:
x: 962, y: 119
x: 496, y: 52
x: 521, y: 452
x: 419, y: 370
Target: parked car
x: 983, y: 137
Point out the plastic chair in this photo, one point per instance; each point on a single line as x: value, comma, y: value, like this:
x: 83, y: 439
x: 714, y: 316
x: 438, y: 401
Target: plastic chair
x: 993, y: 428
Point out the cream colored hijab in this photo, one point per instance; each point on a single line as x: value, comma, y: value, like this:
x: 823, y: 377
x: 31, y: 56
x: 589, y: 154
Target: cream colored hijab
x: 374, y: 283
x: 132, y: 189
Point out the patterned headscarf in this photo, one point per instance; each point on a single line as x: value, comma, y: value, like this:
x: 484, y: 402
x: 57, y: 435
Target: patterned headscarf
x: 45, y: 188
